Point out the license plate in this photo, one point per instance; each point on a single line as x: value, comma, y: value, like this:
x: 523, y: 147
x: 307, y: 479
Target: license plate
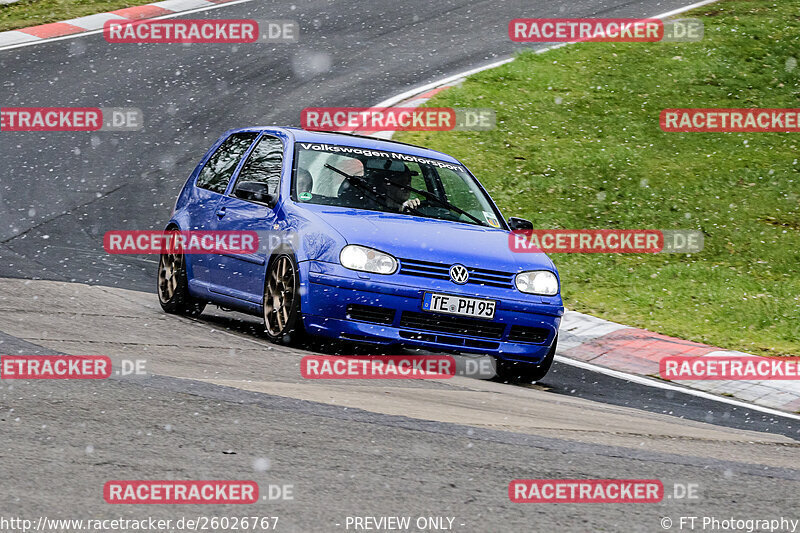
x: 458, y: 305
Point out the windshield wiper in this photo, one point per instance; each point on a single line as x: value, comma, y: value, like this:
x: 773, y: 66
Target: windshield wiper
x: 443, y: 203
x: 361, y: 184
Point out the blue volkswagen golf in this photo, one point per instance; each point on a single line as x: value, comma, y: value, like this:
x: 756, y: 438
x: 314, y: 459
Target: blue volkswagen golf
x: 364, y: 240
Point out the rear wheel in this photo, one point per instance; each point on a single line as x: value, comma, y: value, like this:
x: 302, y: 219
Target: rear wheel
x: 282, y: 321
x: 517, y: 372
x: 173, y: 286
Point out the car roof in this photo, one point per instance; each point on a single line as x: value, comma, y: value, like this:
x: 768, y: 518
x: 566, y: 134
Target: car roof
x: 361, y: 141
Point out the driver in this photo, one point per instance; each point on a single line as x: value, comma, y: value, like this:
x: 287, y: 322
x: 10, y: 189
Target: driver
x: 393, y: 184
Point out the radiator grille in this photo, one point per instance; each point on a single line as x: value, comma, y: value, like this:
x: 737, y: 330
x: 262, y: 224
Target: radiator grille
x: 477, y: 276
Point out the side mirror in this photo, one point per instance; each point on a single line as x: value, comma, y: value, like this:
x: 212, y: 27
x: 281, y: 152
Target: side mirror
x: 519, y: 223
x: 254, y: 191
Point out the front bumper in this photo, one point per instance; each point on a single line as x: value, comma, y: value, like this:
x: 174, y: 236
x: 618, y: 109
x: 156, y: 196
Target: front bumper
x: 329, y: 293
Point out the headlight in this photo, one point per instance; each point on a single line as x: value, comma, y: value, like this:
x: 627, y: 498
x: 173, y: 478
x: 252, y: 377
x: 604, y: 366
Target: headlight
x: 366, y: 259
x: 537, y: 282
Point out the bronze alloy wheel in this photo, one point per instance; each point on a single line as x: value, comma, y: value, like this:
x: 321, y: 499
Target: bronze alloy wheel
x: 281, y: 299
x: 170, y: 265
x: 173, y: 285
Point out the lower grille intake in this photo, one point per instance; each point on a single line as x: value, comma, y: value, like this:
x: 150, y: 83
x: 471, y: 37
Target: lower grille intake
x: 370, y: 313
x: 528, y: 334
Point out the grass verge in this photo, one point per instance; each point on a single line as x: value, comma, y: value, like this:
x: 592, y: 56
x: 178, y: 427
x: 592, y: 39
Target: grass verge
x: 578, y: 145
x: 34, y: 12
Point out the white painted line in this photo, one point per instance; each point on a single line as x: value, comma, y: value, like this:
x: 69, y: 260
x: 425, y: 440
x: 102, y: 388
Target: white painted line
x: 94, y: 32
x: 389, y: 102
x: 684, y: 9
x: 641, y: 380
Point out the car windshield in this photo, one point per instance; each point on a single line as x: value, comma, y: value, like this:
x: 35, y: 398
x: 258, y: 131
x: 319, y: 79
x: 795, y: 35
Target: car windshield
x: 361, y: 178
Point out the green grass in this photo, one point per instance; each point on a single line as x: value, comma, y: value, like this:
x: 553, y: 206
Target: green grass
x: 34, y: 12
x: 578, y: 145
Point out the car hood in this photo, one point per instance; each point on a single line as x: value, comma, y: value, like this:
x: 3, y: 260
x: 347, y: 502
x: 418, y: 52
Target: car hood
x: 426, y: 239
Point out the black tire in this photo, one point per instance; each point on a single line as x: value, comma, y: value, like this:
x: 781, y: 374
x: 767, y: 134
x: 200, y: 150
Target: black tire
x: 283, y: 323
x: 515, y: 372
x: 173, y: 286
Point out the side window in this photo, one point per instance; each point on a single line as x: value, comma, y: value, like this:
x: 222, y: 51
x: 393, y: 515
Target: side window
x: 220, y: 167
x: 264, y: 164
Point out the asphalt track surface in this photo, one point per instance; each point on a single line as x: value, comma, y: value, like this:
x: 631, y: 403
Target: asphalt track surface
x: 218, y: 399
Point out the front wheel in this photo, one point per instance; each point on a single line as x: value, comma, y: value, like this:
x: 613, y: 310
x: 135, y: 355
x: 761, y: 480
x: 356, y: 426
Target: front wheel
x: 516, y: 372
x: 173, y: 286
x: 282, y: 321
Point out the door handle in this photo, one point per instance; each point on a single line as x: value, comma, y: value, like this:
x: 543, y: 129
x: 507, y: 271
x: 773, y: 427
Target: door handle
x: 220, y: 212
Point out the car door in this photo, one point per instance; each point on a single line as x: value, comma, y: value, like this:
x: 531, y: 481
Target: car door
x: 209, y: 190
x: 242, y: 275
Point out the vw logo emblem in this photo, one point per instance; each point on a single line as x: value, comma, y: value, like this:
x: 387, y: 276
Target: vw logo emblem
x: 459, y: 274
